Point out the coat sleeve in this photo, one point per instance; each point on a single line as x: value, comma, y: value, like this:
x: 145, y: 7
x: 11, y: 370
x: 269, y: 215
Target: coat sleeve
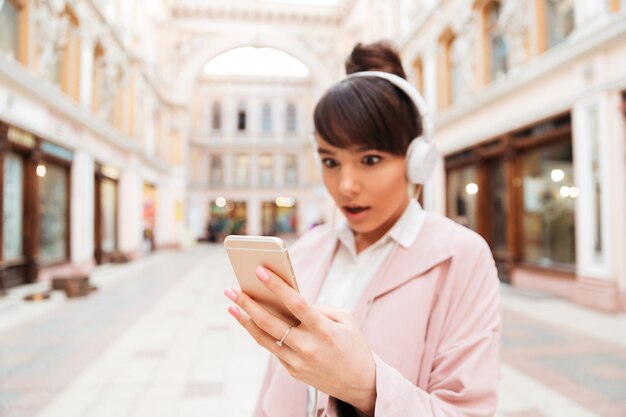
x: 464, y: 374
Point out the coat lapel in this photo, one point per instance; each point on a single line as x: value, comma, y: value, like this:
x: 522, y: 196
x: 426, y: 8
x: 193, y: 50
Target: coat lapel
x: 406, y: 264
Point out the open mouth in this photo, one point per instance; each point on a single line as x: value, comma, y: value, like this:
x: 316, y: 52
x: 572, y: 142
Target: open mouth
x: 355, y: 209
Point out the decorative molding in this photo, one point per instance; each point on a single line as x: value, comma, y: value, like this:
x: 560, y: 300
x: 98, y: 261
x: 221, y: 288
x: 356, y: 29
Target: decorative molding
x: 65, y: 107
x: 542, y: 66
x: 258, y: 12
x: 515, y: 23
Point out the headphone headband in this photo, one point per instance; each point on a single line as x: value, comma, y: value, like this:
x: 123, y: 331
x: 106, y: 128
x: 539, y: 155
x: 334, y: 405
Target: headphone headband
x: 410, y: 91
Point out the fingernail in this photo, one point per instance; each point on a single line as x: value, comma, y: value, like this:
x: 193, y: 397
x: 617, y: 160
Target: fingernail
x: 234, y: 311
x: 262, y: 274
x: 230, y: 294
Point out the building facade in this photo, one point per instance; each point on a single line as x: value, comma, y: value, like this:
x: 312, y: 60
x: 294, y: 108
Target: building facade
x: 89, y: 157
x: 251, y: 162
x: 530, y: 121
x: 113, y: 140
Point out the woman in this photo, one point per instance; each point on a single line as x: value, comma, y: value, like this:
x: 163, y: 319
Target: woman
x: 399, y: 308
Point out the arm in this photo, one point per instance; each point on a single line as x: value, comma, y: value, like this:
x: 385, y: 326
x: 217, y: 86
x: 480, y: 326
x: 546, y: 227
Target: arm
x: 462, y: 380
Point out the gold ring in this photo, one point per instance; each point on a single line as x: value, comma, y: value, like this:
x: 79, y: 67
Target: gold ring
x: 282, y: 339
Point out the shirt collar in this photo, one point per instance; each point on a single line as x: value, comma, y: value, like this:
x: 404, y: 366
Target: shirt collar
x: 404, y: 231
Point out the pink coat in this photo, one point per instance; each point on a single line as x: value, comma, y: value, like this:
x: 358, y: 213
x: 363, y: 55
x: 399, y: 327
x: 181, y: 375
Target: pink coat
x: 434, y: 326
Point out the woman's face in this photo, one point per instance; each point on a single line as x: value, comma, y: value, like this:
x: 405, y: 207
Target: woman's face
x: 369, y: 186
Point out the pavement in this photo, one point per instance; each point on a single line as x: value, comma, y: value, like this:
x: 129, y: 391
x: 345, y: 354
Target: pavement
x: 155, y: 340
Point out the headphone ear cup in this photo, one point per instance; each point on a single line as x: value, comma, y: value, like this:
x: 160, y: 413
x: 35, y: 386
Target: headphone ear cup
x: 421, y: 158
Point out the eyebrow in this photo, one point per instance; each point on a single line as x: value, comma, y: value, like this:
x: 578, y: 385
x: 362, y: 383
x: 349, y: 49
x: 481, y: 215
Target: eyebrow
x: 357, y: 150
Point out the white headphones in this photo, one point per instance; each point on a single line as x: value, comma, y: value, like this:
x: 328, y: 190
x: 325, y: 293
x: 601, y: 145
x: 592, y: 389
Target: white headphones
x: 421, y: 156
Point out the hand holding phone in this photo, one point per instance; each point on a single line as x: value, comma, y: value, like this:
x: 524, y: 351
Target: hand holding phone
x: 246, y: 254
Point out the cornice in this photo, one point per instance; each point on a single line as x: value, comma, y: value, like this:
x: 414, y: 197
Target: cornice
x: 259, y: 12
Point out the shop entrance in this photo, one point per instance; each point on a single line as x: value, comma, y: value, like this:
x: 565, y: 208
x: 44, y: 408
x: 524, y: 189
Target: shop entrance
x: 35, y: 205
x: 279, y: 217
x: 226, y: 218
x: 105, y: 219
x: 518, y: 192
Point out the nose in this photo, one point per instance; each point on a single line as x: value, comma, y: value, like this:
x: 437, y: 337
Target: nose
x: 349, y: 184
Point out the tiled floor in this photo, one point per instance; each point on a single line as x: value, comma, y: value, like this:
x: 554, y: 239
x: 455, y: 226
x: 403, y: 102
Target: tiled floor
x: 155, y: 340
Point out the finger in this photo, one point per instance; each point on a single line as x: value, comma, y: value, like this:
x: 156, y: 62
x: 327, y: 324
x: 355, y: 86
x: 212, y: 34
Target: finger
x: 267, y: 322
x: 338, y: 315
x: 284, y: 353
x: 292, y: 299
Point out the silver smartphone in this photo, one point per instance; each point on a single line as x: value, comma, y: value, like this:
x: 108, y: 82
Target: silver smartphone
x: 246, y: 254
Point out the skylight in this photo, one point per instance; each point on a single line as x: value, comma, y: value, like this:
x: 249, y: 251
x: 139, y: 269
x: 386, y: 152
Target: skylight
x: 252, y: 61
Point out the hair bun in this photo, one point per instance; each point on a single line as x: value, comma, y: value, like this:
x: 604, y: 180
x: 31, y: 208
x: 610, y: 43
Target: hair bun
x: 377, y: 56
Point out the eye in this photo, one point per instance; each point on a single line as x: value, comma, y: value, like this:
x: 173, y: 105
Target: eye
x: 371, y: 159
x: 329, y: 162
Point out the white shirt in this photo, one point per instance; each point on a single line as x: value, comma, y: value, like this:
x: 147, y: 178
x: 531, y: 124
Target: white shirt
x: 350, y: 273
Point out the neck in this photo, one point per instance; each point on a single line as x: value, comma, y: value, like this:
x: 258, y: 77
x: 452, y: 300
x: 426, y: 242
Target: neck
x: 366, y: 239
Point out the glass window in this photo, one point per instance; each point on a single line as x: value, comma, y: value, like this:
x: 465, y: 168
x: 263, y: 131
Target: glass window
x: 108, y: 197
x: 53, y: 189
x: 278, y: 219
x: 291, y: 170
x: 9, y: 28
x: 216, y: 117
x: 498, y: 62
x: 559, y: 20
x: 216, y: 171
x: 13, y: 202
x: 592, y: 114
x: 498, y: 203
x: 266, y: 166
x: 266, y: 122
x: 242, y: 170
x: 291, y: 118
x: 549, y: 195
x: 241, y: 117
x: 454, y: 72
x: 463, y: 196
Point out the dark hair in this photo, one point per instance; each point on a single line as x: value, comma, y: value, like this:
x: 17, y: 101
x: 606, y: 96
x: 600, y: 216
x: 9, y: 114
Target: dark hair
x: 369, y: 111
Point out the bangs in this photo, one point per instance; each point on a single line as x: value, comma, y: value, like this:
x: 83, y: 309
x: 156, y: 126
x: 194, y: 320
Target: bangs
x: 366, y: 112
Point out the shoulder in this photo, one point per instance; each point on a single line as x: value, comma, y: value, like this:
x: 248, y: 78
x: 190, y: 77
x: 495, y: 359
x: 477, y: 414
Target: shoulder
x: 459, y: 241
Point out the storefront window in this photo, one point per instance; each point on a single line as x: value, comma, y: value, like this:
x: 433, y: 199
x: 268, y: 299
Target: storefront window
x: 228, y: 217
x: 13, y: 207
x: 549, y: 196
x: 594, y: 136
x: 498, y: 204
x: 9, y: 29
x: 278, y: 217
x: 149, y: 216
x: 463, y: 196
x: 53, y: 189
x: 559, y: 20
x: 108, y: 197
x: 266, y: 166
